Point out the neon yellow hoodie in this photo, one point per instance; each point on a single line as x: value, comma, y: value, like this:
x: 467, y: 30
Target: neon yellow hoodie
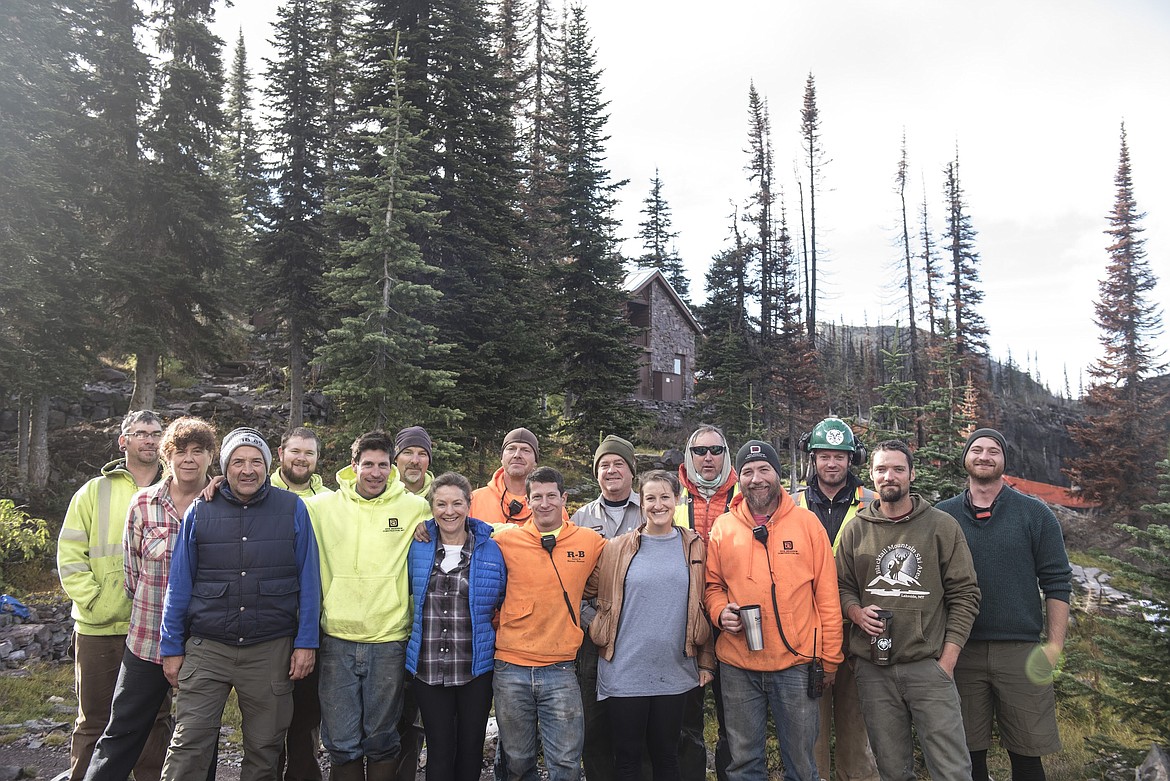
x: 89, y: 551
x: 315, y: 486
x: 363, y: 546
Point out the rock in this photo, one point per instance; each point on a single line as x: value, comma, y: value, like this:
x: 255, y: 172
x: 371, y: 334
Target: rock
x: 6, y: 648
x: 12, y: 773
x: 110, y: 374
x: 17, y: 657
x: 1156, y: 766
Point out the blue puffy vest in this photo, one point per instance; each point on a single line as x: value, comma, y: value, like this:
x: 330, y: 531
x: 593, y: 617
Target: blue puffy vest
x: 487, y: 577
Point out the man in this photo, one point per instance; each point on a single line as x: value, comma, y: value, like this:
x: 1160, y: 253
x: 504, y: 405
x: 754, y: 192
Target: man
x: 708, y: 483
x: 834, y: 494
x: 152, y: 526
x: 503, y: 499
x: 767, y: 552
x: 241, y: 611
x: 413, y: 445
x: 298, y: 454
x: 1004, y: 673
x: 903, y: 556
x: 549, y: 561
x: 612, y: 514
x: 89, y: 562
x: 364, y: 532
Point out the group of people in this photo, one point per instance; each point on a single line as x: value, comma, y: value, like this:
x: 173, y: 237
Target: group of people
x: 406, y: 604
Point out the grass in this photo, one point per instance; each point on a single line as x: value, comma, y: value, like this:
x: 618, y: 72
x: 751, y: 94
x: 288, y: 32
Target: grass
x: 25, y: 698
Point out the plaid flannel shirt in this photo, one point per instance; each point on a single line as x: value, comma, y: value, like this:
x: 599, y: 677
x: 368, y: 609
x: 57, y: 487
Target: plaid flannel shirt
x: 152, y: 526
x: 445, y: 655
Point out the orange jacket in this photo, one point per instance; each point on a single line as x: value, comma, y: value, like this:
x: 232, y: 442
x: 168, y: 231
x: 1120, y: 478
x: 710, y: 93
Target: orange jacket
x: 806, y: 586
x: 695, y: 512
x: 535, y: 626
x: 489, y: 504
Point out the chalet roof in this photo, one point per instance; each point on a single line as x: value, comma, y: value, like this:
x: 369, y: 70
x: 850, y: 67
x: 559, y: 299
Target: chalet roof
x: 637, y: 280
x: 1046, y: 492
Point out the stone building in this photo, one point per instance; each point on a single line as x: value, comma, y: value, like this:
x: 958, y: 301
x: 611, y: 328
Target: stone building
x: 666, y: 333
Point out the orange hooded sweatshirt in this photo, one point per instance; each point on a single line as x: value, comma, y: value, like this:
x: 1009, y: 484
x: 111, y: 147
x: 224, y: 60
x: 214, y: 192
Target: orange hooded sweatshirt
x: 489, y: 504
x: 806, y: 586
x: 535, y: 626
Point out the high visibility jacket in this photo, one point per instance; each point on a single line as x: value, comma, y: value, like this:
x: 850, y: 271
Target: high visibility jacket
x: 315, y: 486
x: 89, y: 551
x: 862, y: 496
x: 700, y: 518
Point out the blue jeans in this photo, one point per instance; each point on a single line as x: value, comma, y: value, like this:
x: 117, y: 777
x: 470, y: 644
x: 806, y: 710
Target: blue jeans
x: 361, y: 699
x: 547, y: 699
x: 747, y: 697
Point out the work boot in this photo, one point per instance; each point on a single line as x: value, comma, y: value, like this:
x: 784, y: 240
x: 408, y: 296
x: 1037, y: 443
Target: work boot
x: 383, y: 770
x: 348, y: 771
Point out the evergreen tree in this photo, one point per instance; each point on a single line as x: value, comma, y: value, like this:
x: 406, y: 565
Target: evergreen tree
x: 760, y: 174
x: 379, y: 356
x: 181, y: 237
x: 490, y: 309
x: 914, y: 356
x: 810, y: 133
x: 1122, y: 427
x: 970, y: 331
x: 931, y: 272
x: 241, y: 147
x: 896, y: 415
x: 594, y: 342
x: 46, y: 330
x: 727, y: 361
x: 949, y: 417
x: 658, y: 240
x: 295, y: 244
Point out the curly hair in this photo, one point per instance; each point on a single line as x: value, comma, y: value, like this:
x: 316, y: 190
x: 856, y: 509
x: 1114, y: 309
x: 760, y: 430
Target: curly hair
x: 188, y: 431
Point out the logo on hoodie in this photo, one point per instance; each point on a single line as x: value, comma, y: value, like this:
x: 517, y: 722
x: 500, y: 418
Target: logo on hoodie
x: 391, y: 525
x: 898, y: 567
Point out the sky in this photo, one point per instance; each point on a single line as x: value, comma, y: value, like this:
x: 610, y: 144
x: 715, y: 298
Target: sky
x: 1029, y: 95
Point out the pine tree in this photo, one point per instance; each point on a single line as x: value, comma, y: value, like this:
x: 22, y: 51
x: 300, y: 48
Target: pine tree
x: 949, y: 418
x: 931, y: 271
x: 46, y: 326
x: 810, y: 133
x: 727, y: 359
x: 490, y: 311
x: 181, y: 238
x: 908, y: 285
x: 658, y: 240
x: 379, y: 356
x: 594, y: 342
x: 295, y: 245
x: 1122, y: 427
x: 760, y: 174
x: 970, y: 331
x: 242, y: 161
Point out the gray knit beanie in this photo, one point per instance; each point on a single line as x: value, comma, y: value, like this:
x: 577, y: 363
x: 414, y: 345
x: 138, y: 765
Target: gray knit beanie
x: 244, y: 436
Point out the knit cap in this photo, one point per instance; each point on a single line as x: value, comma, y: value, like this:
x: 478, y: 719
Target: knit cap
x: 756, y: 450
x: 522, y: 435
x: 412, y: 436
x: 615, y: 445
x: 244, y: 436
x: 985, y: 432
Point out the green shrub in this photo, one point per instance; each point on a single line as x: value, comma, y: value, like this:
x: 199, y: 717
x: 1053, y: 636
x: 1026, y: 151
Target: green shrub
x: 21, y: 538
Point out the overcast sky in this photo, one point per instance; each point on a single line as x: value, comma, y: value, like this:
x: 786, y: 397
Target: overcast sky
x: 1032, y: 94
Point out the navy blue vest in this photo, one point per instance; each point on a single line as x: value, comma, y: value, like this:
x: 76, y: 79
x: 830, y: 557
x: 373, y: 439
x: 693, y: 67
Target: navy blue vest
x: 247, y: 585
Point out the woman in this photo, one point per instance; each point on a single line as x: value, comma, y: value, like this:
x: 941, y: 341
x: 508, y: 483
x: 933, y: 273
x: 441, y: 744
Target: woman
x: 641, y: 580
x: 457, y: 582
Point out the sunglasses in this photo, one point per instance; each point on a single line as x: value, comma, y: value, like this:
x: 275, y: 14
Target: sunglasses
x: 702, y: 450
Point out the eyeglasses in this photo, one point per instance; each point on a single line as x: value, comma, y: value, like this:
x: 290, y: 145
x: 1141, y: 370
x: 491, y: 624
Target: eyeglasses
x: 702, y: 450
x: 141, y: 435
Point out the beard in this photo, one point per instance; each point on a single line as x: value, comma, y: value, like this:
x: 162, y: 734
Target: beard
x: 892, y: 493
x: 760, y: 502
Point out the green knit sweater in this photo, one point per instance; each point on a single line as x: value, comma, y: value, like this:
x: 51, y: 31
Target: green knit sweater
x: 1018, y: 553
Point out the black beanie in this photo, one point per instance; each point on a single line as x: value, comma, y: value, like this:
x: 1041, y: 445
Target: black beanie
x: 757, y: 450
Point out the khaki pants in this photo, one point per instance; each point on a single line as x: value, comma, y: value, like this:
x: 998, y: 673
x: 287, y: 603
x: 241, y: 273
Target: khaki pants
x: 841, y: 712
x: 259, y: 674
x: 96, y: 662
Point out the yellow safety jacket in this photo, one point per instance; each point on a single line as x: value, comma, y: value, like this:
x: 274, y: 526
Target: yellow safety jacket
x: 89, y: 551
x: 861, y: 497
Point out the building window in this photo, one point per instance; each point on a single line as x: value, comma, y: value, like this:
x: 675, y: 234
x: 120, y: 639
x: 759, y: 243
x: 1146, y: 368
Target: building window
x: 678, y: 364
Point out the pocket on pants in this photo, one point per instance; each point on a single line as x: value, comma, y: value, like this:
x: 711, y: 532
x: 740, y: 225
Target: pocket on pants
x: 194, y: 651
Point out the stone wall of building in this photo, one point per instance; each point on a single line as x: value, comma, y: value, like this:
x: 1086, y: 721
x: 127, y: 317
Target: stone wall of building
x: 671, y: 334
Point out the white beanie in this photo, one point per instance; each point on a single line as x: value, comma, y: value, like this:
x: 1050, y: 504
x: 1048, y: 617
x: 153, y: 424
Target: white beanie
x: 244, y: 436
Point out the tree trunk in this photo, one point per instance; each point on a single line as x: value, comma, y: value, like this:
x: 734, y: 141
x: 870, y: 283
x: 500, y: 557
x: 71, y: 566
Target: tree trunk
x: 22, y: 435
x: 38, y: 464
x: 296, y: 381
x: 145, y: 381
